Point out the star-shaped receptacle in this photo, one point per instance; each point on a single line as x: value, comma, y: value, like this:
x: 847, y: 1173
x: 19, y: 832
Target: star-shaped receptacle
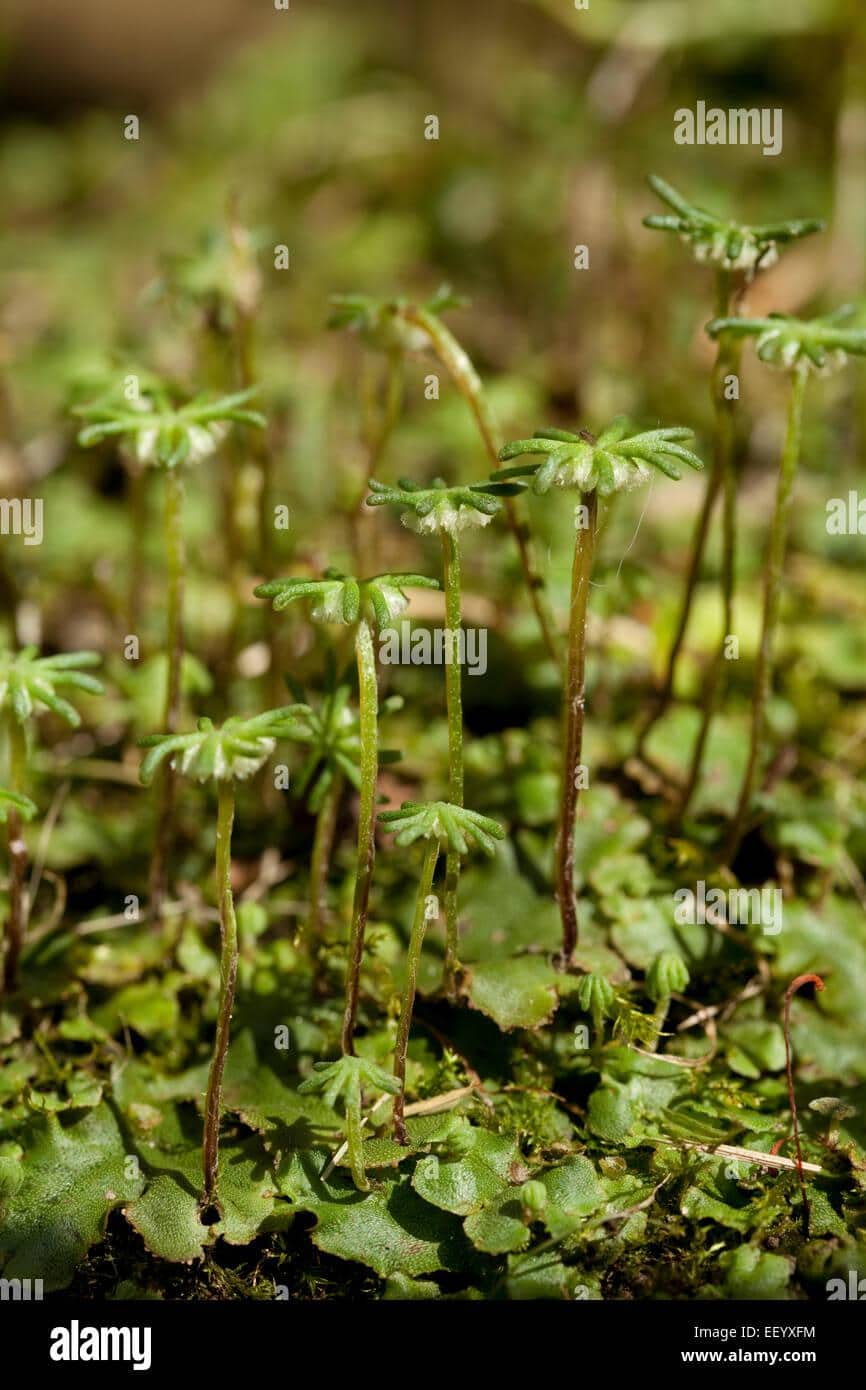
x: 221, y: 275
x: 330, y: 731
x: 29, y: 683
x: 820, y: 345
x: 347, y: 1079
x: 614, y: 462
x: 340, y: 598
x: 231, y: 752
x: 162, y: 433
x: 454, y: 826
x: 332, y: 735
x: 725, y: 244
x: 434, y: 508
x: 391, y: 325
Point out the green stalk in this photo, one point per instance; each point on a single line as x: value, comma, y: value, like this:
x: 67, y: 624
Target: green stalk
x: 596, y: 1013
x: 260, y: 450
x: 19, y: 906
x: 257, y: 442
x: 727, y: 364
x: 808, y: 979
x: 773, y: 564
x: 459, y: 367
x: 368, y: 698
x: 323, y: 843
x: 413, y: 955
x: 572, y: 743
x: 454, y: 700
x: 176, y: 558
x: 702, y: 526
x: 389, y: 415
x: 138, y: 527
x: 233, y: 458
x: 355, y: 1146
x: 660, y: 1013
x: 218, y: 367
x: 379, y: 425
x: 176, y: 565
x: 228, y: 975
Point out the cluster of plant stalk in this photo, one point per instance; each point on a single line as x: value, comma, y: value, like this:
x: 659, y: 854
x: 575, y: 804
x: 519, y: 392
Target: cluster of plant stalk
x: 343, y: 747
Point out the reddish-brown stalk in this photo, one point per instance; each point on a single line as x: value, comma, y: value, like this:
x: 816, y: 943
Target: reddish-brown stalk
x: 796, y: 984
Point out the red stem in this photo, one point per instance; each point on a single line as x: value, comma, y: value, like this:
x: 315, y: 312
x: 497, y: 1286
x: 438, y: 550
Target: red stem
x: 789, y: 1068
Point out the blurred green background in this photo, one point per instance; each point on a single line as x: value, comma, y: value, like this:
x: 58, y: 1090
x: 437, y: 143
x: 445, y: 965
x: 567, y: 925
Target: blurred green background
x: 313, y: 120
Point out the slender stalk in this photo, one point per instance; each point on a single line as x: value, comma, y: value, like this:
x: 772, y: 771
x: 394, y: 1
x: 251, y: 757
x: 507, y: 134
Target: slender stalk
x: 727, y: 364
x: 702, y: 526
x: 260, y: 449
x: 699, y: 541
x: 233, y: 460
x: 773, y: 564
x: 218, y: 354
x: 379, y: 425
x: 257, y: 441
x: 413, y: 955
x: 789, y: 1071
x: 459, y: 367
x: 176, y: 565
x: 368, y: 697
x: 454, y: 700
x: 389, y: 414
x: 176, y: 558
x: 138, y: 531
x: 323, y: 843
x: 19, y: 898
x: 230, y: 470
x: 355, y: 1146
x: 573, y: 713
x: 228, y: 975
x: 660, y: 1013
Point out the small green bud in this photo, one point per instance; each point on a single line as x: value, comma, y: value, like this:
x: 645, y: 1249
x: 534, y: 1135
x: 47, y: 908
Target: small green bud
x: 667, y: 975
x: 596, y: 995
x: 533, y: 1197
